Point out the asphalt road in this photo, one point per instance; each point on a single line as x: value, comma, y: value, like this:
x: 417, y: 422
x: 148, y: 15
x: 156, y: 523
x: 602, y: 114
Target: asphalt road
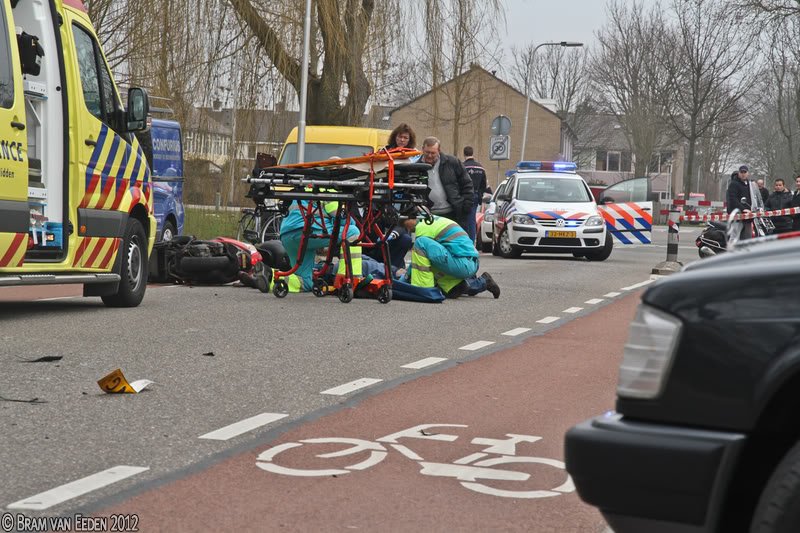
x: 269, y: 356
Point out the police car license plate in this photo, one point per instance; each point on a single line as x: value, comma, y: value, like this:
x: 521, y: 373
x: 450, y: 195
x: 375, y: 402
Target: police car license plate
x: 561, y: 234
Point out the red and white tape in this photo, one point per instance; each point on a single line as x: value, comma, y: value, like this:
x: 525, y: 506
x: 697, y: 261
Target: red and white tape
x: 742, y: 216
x: 705, y: 203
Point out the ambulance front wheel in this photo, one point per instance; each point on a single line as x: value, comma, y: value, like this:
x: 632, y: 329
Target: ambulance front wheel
x: 385, y: 294
x: 133, y: 267
x: 281, y: 288
x: 346, y: 293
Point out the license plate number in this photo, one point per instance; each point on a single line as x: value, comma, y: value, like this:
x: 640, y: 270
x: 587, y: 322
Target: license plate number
x: 561, y: 234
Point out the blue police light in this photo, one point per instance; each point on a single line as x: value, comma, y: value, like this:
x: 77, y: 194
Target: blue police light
x: 556, y: 166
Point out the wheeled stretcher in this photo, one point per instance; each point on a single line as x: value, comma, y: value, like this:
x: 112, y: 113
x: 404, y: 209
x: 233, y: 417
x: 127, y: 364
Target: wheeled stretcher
x: 346, y: 203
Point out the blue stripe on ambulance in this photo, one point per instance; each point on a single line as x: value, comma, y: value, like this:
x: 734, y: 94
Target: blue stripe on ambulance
x: 90, y: 168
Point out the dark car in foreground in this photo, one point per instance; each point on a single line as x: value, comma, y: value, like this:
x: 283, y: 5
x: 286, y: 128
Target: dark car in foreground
x: 706, y: 432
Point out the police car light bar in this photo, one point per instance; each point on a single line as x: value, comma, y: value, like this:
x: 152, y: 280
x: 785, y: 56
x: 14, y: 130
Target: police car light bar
x: 557, y: 166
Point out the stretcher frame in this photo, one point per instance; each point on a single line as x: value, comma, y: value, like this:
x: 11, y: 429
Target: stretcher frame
x: 365, y: 194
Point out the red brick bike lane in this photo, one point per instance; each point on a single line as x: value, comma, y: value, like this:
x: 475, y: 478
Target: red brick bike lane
x: 500, y: 469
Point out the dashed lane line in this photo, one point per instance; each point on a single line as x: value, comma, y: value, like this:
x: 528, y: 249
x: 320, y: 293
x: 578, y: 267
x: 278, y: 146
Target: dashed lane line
x: 77, y: 488
x: 424, y: 363
x: 637, y: 285
x: 243, y: 426
x: 594, y: 301
x: 612, y: 294
x: 548, y: 320
x: 572, y: 310
x: 516, y: 331
x: 476, y: 345
x: 347, y: 388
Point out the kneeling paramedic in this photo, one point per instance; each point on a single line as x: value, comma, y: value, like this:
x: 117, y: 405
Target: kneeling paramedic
x: 291, y: 235
x: 443, y: 255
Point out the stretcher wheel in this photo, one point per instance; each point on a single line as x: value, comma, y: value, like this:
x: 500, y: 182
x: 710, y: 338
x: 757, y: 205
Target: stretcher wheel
x: 281, y: 288
x: 318, y: 289
x: 385, y: 294
x: 346, y: 293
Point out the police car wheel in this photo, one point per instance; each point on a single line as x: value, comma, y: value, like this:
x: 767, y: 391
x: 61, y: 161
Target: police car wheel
x: 508, y: 250
x: 168, y: 232
x: 133, y: 268
x: 603, y: 254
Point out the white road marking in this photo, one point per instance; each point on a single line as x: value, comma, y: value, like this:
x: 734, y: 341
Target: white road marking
x: 637, y: 285
x: 476, y: 345
x: 548, y: 320
x: 594, y: 301
x: 572, y: 310
x: 77, y: 488
x: 516, y: 331
x: 347, y: 388
x: 612, y: 294
x: 422, y: 363
x: 243, y: 426
x: 56, y: 298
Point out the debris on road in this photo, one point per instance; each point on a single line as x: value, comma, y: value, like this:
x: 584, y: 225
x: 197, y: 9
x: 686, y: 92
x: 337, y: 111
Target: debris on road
x: 115, y: 383
x: 45, y: 359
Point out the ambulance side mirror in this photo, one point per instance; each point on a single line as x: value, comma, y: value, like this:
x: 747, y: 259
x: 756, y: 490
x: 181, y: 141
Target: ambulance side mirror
x: 138, y: 109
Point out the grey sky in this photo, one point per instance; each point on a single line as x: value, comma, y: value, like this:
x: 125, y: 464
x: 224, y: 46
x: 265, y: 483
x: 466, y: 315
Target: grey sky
x: 538, y: 21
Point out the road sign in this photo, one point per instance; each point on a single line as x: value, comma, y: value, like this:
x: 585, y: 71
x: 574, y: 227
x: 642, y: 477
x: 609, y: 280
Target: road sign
x: 499, y: 147
x: 501, y: 125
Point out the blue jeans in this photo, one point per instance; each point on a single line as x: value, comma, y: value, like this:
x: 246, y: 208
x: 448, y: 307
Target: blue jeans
x: 471, y: 228
x: 476, y: 285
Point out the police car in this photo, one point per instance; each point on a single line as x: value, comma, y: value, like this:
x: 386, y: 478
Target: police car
x: 547, y: 207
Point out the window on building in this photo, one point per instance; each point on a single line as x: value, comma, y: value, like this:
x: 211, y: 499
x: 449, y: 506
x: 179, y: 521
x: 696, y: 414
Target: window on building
x: 613, y: 161
x: 602, y: 160
x: 625, y: 162
x: 660, y: 163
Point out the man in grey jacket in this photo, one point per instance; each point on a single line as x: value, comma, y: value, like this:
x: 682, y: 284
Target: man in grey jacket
x: 451, y: 186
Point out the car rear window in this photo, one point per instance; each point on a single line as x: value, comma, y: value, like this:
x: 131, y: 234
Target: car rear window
x: 321, y: 152
x: 552, y: 190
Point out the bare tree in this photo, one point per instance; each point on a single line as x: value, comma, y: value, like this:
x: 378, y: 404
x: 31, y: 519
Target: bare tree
x: 338, y: 87
x: 629, y: 78
x: 707, y: 56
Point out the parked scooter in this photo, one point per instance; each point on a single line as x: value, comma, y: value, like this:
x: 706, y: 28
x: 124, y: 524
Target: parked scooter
x: 718, y: 237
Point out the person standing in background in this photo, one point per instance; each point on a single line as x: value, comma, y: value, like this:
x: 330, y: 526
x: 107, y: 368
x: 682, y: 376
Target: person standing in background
x: 475, y: 171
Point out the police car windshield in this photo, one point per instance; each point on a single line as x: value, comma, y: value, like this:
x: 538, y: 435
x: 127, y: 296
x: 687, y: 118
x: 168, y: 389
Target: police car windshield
x: 552, y: 190
x: 321, y: 152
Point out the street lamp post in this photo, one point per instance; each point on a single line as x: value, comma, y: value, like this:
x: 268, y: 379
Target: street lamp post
x: 566, y: 44
x: 301, y: 127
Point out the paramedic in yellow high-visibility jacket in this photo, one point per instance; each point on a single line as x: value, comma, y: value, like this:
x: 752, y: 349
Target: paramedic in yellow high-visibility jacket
x: 443, y: 255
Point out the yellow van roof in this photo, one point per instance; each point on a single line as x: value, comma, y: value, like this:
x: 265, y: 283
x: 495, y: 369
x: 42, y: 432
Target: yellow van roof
x: 374, y: 137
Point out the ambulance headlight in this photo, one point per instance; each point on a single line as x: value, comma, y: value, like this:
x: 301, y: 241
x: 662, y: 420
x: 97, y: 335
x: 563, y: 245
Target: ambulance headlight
x: 647, y: 358
x: 522, y: 219
x: 594, y: 221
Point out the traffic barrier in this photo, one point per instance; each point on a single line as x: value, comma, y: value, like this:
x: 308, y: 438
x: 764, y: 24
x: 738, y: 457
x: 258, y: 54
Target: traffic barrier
x: 671, y: 265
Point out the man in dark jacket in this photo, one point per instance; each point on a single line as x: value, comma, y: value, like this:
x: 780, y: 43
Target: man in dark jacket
x: 478, y: 175
x: 451, y: 186
x: 763, y: 190
x: 738, y: 197
x: 780, y: 199
x: 738, y: 188
x: 796, y: 203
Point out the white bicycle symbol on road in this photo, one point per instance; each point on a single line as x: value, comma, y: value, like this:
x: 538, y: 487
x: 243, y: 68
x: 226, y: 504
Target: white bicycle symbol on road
x: 469, y: 470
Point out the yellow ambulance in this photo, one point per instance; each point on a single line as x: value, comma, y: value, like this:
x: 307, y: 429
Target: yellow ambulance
x: 76, y: 202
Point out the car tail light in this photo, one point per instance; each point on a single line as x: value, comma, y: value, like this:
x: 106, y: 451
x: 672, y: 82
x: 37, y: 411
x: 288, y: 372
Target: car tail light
x: 652, y: 340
